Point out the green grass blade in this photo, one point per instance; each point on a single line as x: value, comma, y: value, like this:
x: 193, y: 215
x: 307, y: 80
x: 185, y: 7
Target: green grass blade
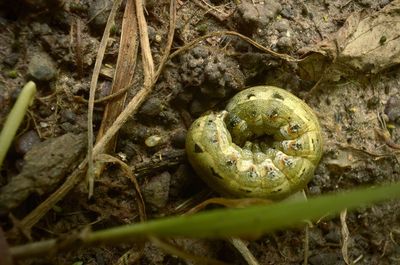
x: 15, y: 118
x: 252, y: 220
x: 222, y: 223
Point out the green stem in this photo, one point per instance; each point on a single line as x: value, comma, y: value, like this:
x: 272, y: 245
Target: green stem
x: 222, y: 223
x: 15, y: 118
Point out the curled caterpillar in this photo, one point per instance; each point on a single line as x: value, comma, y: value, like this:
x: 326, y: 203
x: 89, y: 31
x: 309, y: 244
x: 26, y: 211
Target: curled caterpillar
x: 266, y: 143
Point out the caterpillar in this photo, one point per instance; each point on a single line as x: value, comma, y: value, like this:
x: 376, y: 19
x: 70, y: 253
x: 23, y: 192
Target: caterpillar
x: 266, y: 143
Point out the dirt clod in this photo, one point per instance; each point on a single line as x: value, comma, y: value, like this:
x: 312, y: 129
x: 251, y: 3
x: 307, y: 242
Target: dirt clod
x: 26, y: 141
x: 46, y: 164
x: 156, y: 191
x: 42, y: 67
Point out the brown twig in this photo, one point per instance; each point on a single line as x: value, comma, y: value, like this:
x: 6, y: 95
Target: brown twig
x: 110, y: 97
x: 170, y: 38
x: 243, y: 250
x: 93, y: 86
x: 177, y: 251
x: 159, y: 162
x: 194, y: 42
x: 123, y: 76
x: 306, y: 245
x: 385, y: 136
x: 220, y: 15
x: 345, y: 236
x: 148, y: 64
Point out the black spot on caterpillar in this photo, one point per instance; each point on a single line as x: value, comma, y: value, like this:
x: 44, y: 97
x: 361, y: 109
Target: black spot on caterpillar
x: 250, y: 96
x: 266, y: 143
x: 197, y: 149
x: 215, y: 174
x: 246, y: 191
x: 277, y: 96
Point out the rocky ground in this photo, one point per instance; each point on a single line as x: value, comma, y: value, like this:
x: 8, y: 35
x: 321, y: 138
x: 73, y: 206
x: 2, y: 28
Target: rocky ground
x: 346, y: 71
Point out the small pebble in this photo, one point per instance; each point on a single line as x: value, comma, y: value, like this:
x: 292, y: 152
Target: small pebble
x: 151, y: 31
x: 282, y: 25
x: 26, y: 141
x: 153, y: 140
x: 68, y: 115
x: 285, y: 43
x: 333, y: 236
x: 11, y: 59
x: 392, y: 109
x: 42, y: 67
x: 40, y: 28
x: 152, y: 107
x: 258, y: 14
x: 178, y: 139
x: 98, y: 11
x: 287, y: 12
x: 156, y: 191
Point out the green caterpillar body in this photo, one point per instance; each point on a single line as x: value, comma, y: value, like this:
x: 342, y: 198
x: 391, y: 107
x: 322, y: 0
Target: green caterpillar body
x: 267, y: 143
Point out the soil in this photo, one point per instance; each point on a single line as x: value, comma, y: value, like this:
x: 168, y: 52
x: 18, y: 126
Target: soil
x: 38, y: 42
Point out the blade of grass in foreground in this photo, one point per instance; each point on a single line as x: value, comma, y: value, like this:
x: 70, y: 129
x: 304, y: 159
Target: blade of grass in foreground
x: 253, y: 220
x: 15, y: 117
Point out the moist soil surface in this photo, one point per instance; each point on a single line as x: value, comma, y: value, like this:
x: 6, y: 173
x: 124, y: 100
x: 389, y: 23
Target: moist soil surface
x: 55, y: 44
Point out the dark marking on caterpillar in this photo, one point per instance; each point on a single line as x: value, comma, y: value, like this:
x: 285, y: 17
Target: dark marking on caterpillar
x: 230, y: 162
x: 277, y: 96
x: 273, y: 114
x: 197, y: 149
x: 245, y: 190
x: 234, y: 121
x: 215, y: 174
x: 294, y: 128
x: 249, y: 96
